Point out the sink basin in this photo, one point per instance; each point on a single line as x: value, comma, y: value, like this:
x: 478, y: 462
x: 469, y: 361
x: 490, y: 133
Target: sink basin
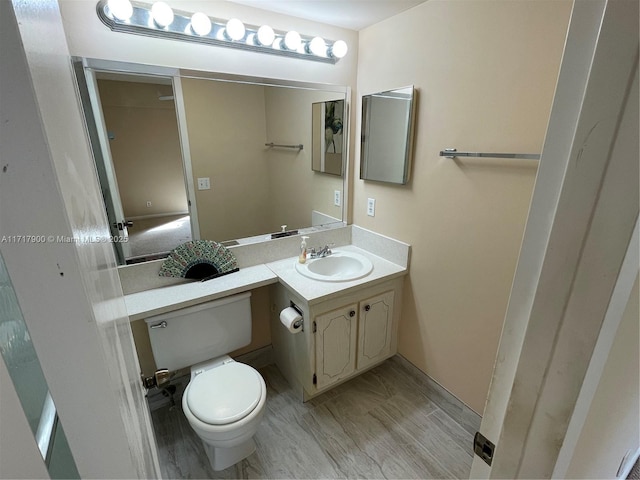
x: 337, y: 267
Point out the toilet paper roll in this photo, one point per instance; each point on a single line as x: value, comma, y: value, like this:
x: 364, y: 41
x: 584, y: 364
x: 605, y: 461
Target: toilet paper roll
x: 291, y: 319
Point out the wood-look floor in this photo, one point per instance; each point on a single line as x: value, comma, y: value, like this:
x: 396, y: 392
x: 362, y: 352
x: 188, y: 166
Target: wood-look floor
x: 378, y: 425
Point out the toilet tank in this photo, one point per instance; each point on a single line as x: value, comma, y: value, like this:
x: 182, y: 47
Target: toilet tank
x: 196, y: 334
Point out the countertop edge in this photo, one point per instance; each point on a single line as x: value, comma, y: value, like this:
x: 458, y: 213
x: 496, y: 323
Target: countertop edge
x: 157, y: 301
x: 148, y: 303
x: 347, y: 290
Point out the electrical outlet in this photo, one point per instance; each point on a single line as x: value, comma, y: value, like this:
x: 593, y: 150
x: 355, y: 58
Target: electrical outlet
x: 336, y: 198
x: 149, y: 204
x: 371, y: 207
x: 204, y: 183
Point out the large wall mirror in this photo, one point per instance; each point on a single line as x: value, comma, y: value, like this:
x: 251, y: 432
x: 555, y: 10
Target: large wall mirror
x: 387, y: 135
x: 185, y: 155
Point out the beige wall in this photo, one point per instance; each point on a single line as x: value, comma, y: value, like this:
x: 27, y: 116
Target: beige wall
x: 254, y: 189
x: 295, y: 188
x: 145, y: 148
x: 611, y: 432
x: 227, y: 130
x: 486, y: 73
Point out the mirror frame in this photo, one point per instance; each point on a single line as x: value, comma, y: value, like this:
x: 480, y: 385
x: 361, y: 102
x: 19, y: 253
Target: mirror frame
x: 118, y: 67
x: 408, y: 134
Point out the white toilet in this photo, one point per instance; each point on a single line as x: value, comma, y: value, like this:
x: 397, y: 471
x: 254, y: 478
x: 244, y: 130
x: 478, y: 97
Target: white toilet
x: 224, y: 400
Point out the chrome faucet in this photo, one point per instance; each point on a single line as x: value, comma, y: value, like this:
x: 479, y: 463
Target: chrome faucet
x: 322, y: 252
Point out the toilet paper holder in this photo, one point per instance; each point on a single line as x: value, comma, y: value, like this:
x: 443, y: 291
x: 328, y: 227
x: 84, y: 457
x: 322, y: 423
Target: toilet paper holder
x: 299, y: 323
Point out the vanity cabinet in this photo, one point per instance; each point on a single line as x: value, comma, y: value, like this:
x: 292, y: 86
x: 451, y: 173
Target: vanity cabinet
x: 335, y: 345
x: 374, y: 329
x: 341, y: 338
x: 352, y: 338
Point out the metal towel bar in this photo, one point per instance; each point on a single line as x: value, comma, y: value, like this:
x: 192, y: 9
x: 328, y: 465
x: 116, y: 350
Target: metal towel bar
x: 453, y: 153
x: 299, y: 146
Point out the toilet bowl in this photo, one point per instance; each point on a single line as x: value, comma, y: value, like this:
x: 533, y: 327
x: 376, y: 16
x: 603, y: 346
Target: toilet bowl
x: 224, y: 404
x: 224, y: 400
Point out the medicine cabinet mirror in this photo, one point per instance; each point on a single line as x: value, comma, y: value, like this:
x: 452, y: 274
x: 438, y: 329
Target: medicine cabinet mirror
x: 387, y: 135
x: 183, y: 154
x: 328, y: 139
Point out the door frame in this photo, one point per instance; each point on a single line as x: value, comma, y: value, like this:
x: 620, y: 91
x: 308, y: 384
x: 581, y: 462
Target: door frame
x: 97, y: 131
x: 534, y: 388
x: 67, y: 283
x: 96, y: 121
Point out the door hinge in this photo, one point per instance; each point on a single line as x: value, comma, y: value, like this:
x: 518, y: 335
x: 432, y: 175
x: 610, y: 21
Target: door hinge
x: 315, y: 379
x: 483, y: 448
x: 315, y: 326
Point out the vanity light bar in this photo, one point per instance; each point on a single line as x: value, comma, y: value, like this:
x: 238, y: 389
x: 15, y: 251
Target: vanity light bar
x: 159, y: 20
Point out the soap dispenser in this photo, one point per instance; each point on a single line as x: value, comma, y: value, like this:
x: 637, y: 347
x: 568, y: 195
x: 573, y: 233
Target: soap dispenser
x: 303, y: 250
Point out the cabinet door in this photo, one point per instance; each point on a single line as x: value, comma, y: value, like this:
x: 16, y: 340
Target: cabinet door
x: 335, y: 345
x: 374, y: 335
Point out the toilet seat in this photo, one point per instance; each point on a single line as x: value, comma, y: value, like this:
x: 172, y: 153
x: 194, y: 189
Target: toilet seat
x: 224, y: 394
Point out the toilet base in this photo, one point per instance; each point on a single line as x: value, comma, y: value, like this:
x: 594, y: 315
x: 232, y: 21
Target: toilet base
x: 221, y: 458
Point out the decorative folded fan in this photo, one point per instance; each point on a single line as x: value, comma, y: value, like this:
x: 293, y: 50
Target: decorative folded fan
x: 199, y: 259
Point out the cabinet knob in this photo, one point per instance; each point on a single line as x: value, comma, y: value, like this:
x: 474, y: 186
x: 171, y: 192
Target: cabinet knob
x: 352, y: 313
x: 367, y: 308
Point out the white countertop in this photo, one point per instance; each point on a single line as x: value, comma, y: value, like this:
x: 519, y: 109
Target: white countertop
x: 315, y: 291
x: 166, y: 299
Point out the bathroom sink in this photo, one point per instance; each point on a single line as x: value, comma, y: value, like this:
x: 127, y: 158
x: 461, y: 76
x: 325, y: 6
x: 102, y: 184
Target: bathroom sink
x: 338, y: 267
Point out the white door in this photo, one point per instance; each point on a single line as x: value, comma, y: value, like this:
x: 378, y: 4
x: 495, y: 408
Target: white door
x: 106, y: 171
x: 69, y: 293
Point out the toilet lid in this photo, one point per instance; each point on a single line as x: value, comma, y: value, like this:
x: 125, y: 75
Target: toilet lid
x: 224, y: 394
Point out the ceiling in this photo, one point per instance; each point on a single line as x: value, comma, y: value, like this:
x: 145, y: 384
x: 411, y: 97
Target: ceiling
x: 351, y: 14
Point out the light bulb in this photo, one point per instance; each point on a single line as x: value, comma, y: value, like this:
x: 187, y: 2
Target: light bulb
x: 200, y: 24
x: 292, y: 40
x: 339, y: 49
x: 120, y: 9
x: 317, y: 46
x: 266, y: 35
x: 162, y: 14
x: 235, y: 29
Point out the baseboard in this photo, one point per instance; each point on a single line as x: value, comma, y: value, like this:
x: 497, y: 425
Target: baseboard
x: 257, y: 359
x: 448, y: 402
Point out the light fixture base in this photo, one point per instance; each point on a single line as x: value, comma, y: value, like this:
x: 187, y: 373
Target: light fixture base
x: 141, y: 23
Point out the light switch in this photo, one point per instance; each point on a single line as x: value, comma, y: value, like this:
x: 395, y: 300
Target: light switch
x: 204, y: 183
x: 371, y: 207
x: 336, y: 198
